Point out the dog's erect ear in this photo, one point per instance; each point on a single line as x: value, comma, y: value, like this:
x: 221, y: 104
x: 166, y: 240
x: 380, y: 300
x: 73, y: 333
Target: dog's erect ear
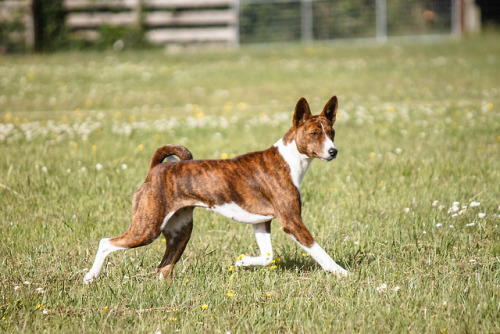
x: 330, y: 109
x: 302, y: 112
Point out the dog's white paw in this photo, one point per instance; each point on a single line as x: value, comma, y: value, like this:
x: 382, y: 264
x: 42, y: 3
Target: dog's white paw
x: 337, y: 270
x: 247, y: 261
x: 89, y: 277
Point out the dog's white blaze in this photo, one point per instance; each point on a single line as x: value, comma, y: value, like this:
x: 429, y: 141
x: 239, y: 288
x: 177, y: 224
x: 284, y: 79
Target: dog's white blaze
x: 297, y: 161
x: 105, y: 248
x: 236, y: 212
x: 327, y: 144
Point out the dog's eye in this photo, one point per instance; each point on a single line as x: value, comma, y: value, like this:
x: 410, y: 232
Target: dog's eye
x: 314, y: 134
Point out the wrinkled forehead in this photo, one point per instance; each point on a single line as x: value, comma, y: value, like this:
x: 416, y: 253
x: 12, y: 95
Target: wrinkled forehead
x: 319, y: 121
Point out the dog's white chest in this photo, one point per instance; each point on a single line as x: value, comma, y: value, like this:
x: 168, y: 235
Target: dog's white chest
x: 234, y: 211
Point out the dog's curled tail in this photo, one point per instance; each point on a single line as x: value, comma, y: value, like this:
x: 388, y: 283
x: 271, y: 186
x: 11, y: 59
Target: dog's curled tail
x: 167, y: 150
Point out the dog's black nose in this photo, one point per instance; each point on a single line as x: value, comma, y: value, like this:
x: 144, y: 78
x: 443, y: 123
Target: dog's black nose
x: 333, y: 152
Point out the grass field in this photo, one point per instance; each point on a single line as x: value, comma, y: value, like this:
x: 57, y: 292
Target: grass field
x: 411, y: 205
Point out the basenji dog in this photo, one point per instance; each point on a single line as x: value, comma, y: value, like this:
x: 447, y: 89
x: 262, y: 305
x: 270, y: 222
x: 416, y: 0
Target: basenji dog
x: 253, y: 188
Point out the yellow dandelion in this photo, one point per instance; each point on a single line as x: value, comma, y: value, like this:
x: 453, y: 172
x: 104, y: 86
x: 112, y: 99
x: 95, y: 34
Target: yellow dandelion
x: 242, y: 106
x: 223, y: 156
x: 228, y: 106
x: 16, y: 121
x: 88, y: 103
x: 140, y: 147
x: 204, y: 306
x: 273, y: 267
x: 75, y: 145
x: 231, y: 268
x: 272, y: 261
x: 175, y: 310
x: 39, y: 306
x: 381, y: 182
x: 199, y: 115
x: 390, y: 109
x: 105, y: 308
x: 7, y: 117
x: 229, y: 293
x: 278, y: 260
x: 498, y: 138
x: 118, y: 115
x: 132, y: 118
x: 268, y: 295
x: 163, y: 240
x: 489, y: 106
x: 94, y: 147
x: 187, y: 281
x: 372, y: 154
x: 172, y: 319
x: 305, y: 254
x: 443, y: 330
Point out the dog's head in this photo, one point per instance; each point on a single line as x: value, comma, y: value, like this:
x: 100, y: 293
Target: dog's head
x: 314, y: 135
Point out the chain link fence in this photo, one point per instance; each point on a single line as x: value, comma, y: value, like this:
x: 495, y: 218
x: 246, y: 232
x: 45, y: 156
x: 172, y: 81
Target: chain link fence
x: 267, y: 21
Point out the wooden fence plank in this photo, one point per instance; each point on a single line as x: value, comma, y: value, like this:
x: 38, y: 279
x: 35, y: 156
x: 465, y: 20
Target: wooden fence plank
x: 207, y: 17
x: 161, y: 36
x: 96, y: 4
x: 95, y: 20
x: 188, y: 3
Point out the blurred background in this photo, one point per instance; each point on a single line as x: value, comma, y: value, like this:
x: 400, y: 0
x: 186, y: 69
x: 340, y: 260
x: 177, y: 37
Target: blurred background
x: 51, y: 25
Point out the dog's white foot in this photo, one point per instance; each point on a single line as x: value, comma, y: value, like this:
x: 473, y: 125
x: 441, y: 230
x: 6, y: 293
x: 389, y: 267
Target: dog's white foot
x: 334, y: 268
x: 247, y: 261
x: 89, y: 277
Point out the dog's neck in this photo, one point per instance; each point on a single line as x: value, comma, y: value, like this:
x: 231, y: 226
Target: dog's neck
x: 297, y: 161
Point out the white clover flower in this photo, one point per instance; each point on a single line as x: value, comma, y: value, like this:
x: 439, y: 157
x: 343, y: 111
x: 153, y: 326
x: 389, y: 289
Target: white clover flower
x: 83, y: 169
x: 439, y: 225
x: 481, y: 214
x: 124, y: 166
x: 98, y: 166
x: 435, y: 203
x: 382, y: 288
x: 17, y: 287
x: 40, y: 290
x: 470, y: 224
x: 406, y: 210
x: 424, y: 232
x: 44, y: 169
x: 398, y: 150
x: 474, y: 204
x: 396, y: 288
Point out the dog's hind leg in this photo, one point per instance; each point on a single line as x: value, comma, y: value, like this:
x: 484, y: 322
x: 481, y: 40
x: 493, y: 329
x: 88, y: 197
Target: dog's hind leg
x: 177, y: 230
x: 262, y: 233
x: 143, y: 230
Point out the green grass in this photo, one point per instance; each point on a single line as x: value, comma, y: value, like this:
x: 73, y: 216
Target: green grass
x: 420, y: 122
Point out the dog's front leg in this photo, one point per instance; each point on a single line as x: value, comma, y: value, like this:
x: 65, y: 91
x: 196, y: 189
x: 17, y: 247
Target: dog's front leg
x: 262, y: 233
x: 298, y: 231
